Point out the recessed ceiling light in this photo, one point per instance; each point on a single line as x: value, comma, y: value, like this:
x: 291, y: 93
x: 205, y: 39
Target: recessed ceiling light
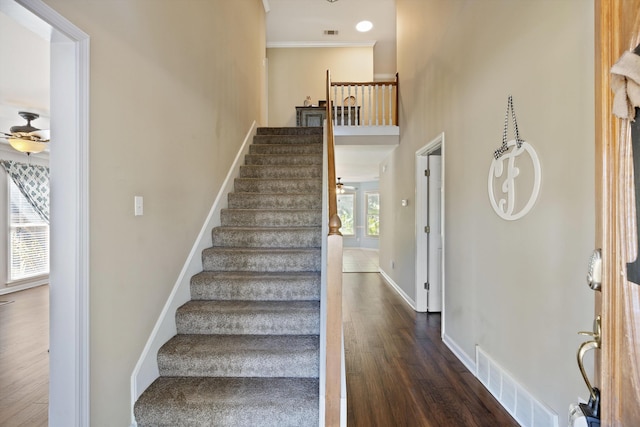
x: 364, y: 26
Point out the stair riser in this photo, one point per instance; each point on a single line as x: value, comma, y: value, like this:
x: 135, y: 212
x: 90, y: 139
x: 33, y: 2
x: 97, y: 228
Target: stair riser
x: 281, y: 172
x: 268, y: 201
x: 237, y: 402
x: 254, y: 292
x: 250, y: 185
x: 293, y: 323
x: 294, y: 364
x: 267, y: 238
x: 214, y: 259
x: 289, y: 131
x: 285, y: 149
x: 270, y: 218
x: 282, y: 159
x: 278, y: 414
x: 255, y: 288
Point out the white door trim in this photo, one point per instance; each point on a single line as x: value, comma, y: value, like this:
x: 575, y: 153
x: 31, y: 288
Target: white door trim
x: 421, y: 246
x: 69, y: 384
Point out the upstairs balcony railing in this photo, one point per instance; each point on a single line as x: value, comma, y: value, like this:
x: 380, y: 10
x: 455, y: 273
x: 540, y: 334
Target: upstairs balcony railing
x: 364, y: 103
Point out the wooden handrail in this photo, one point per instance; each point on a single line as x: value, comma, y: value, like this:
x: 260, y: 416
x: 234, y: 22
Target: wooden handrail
x: 333, y: 204
x: 390, y: 82
x: 397, y: 100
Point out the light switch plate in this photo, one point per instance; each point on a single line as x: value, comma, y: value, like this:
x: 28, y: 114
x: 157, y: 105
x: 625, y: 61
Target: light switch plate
x: 138, y: 206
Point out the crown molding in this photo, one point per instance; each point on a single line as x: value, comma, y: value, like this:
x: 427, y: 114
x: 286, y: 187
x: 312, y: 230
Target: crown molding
x: 319, y: 44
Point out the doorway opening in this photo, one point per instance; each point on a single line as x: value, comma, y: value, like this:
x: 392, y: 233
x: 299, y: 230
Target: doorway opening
x: 69, y: 211
x: 430, y: 226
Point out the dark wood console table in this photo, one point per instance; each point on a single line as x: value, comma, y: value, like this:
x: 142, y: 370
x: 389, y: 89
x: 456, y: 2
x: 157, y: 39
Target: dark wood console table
x: 310, y: 116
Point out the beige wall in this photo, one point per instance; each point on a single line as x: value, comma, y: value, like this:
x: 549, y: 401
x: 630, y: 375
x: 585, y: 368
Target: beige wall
x: 295, y: 73
x: 515, y: 288
x: 175, y: 86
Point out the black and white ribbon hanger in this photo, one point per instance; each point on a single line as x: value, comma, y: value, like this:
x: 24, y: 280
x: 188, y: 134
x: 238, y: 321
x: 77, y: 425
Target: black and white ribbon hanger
x: 503, y: 148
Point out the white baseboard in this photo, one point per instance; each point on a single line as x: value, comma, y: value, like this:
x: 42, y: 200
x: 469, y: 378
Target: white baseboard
x: 24, y: 286
x: 146, y: 370
x: 398, y: 289
x: 468, y: 362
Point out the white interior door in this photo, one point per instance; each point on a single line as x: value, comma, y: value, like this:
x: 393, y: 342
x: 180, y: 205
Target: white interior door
x: 434, y: 235
x: 422, y: 218
x: 430, y: 239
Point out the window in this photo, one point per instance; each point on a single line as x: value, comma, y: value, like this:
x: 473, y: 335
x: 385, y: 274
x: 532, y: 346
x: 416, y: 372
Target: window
x: 346, y: 204
x: 373, y: 214
x: 28, y: 237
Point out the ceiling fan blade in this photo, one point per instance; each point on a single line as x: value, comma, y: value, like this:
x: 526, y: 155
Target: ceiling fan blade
x: 42, y: 135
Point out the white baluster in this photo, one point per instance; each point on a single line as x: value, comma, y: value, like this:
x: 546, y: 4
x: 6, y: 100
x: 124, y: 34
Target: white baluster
x: 342, y: 105
x: 349, y: 106
x: 390, y: 105
x: 369, y: 109
x: 384, y: 115
x: 376, y: 101
x: 359, y: 101
x: 334, y: 105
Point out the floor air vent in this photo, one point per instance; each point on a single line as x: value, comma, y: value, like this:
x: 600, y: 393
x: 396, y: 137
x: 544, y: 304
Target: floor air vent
x: 528, y: 411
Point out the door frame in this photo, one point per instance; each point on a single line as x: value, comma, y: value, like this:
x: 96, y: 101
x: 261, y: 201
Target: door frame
x: 613, y: 33
x: 69, y: 344
x: 421, y: 246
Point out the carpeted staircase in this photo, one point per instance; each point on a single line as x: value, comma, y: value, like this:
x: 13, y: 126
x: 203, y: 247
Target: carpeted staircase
x: 247, y: 348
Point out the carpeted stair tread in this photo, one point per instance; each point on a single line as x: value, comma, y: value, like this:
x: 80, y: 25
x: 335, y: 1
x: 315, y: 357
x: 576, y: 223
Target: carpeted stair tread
x: 304, y: 201
x: 271, y: 217
x: 258, y: 286
x: 240, y: 356
x: 283, y: 159
x: 281, y: 172
x: 287, y: 139
x: 254, y: 185
x: 267, y: 237
x: 261, y: 259
x: 238, y: 402
x: 249, y: 317
x: 311, y: 130
x: 290, y: 148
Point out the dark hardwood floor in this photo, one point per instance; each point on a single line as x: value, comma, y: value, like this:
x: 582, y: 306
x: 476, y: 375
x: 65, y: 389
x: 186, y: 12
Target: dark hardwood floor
x: 399, y: 372
x: 24, y: 358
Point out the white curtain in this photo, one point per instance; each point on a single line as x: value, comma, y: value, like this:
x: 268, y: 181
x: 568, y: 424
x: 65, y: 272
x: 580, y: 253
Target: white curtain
x: 33, y: 182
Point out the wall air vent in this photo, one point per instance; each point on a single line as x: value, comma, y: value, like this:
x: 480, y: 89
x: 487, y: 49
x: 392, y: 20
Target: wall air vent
x: 330, y: 32
x: 523, y: 406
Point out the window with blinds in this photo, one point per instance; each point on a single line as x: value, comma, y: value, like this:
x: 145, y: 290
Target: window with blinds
x: 346, y: 210
x: 373, y: 214
x: 29, y: 238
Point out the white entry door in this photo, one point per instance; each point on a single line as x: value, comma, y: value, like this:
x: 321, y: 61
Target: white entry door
x: 434, y: 228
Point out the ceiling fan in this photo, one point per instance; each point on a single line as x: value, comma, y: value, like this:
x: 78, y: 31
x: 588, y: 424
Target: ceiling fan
x: 26, y: 138
x: 340, y: 187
